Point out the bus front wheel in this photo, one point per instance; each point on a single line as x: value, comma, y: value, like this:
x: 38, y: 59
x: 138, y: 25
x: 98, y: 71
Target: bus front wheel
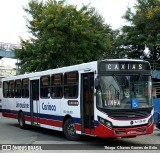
x: 70, y: 130
x: 21, y: 120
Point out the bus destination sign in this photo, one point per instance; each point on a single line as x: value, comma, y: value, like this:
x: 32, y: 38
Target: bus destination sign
x: 119, y: 66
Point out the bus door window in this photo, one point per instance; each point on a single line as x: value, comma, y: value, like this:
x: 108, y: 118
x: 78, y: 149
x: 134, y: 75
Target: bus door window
x: 88, y: 92
x: 35, y: 90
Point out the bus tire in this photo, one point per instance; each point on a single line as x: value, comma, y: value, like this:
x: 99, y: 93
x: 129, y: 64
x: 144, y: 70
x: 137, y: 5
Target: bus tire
x: 21, y: 120
x: 70, y: 130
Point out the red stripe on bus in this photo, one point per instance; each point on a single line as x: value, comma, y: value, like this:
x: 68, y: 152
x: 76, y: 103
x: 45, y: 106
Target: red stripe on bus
x: 10, y: 115
x: 42, y: 121
x: 27, y: 118
x: 48, y: 122
x: 78, y: 127
x: 89, y: 131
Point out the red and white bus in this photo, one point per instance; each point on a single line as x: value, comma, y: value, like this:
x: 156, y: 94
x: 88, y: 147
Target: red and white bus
x: 107, y: 98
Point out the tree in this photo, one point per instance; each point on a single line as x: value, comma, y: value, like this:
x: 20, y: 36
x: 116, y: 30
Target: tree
x: 143, y: 30
x: 63, y: 36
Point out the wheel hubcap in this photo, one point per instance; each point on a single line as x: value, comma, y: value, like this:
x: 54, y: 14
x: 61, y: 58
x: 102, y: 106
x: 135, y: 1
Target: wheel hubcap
x: 71, y: 130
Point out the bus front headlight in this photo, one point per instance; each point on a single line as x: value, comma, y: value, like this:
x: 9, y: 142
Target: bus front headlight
x: 150, y: 121
x: 105, y: 122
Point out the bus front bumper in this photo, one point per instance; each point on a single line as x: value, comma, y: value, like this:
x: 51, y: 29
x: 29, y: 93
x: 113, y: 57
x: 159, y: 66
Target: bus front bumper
x: 103, y: 131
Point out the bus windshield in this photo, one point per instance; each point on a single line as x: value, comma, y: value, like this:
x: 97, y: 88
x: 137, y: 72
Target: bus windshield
x: 124, y: 92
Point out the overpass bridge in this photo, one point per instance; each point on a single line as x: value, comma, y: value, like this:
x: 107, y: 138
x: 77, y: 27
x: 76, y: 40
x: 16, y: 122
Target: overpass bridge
x: 7, y: 50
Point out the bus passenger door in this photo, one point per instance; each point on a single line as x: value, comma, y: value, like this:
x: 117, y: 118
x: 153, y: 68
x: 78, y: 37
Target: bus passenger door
x: 87, y: 102
x: 34, y: 101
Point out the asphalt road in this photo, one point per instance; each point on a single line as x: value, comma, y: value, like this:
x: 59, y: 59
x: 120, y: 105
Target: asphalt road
x: 53, y: 141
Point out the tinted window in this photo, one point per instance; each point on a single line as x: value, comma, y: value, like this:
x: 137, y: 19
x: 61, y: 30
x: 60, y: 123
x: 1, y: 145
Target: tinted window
x: 57, y: 86
x: 45, y: 87
x: 18, y: 88
x: 5, y: 89
x: 71, y: 85
x: 11, y: 89
x: 25, y: 88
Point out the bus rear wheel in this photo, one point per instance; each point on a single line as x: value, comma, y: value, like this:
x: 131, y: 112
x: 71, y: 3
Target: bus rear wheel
x: 70, y: 130
x: 21, y: 120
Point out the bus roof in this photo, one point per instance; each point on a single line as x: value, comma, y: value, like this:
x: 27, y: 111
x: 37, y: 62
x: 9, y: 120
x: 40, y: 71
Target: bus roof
x: 84, y: 66
x: 125, y: 60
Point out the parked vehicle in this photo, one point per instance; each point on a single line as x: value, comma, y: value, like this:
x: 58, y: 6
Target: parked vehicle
x: 109, y: 98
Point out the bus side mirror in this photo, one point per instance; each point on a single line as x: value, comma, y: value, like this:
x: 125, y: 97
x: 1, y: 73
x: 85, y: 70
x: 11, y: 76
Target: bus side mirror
x: 97, y: 84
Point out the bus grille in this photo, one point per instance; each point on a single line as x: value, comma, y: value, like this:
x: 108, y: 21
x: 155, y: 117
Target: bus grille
x: 128, y: 115
x: 137, y: 130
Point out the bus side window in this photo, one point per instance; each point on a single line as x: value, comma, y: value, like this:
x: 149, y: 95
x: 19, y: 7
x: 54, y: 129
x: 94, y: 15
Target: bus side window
x: 45, y: 87
x: 11, y: 89
x: 5, y: 89
x: 17, y: 88
x: 71, y: 80
x: 25, y: 88
x: 57, y: 86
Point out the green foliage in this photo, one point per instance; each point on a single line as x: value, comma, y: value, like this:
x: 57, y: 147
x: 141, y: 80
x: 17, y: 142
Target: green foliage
x: 63, y: 36
x: 143, y: 31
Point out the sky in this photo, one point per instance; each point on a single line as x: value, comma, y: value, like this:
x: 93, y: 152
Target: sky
x: 13, y: 22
